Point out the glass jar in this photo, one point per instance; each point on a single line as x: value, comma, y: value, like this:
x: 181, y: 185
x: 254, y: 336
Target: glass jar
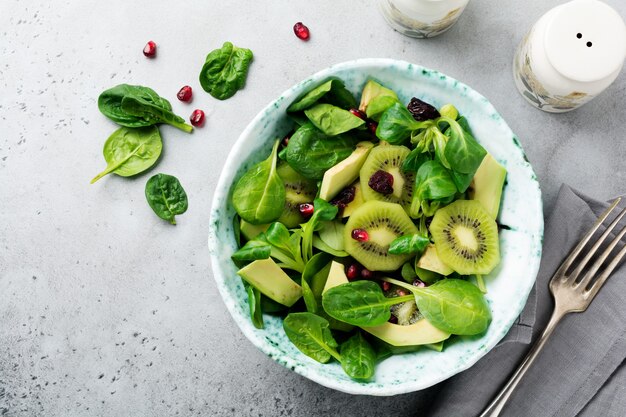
x: 422, y: 18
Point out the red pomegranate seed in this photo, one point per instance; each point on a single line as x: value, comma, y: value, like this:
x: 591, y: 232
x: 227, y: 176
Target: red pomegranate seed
x: 381, y: 182
x: 184, y: 94
x: 306, y: 209
x: 386, y: 286
x: 301, y: 31
x: 197, y: 117
x: 352, y: 272
x: 393, y: 319
x: 401, y: 293
x: 358, y: 113
x: 419, y: 283
x: 372, y: 126
x: 367, y: 274
x: 150, y: 49
x: 360, y: 235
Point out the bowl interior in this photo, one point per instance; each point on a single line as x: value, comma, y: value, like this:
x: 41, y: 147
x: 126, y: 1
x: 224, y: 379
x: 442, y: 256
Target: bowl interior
x: 509, y: 285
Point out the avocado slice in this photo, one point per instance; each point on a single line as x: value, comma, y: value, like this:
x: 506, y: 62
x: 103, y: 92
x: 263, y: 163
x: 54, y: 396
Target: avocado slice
x: 266, y: 276
x: 250, y: 231
x: 419, y: 333
x: 336, y: 276
x: 375, y: 99
x: 356, y: 202
x: 345, y: 172
x: 487, y: 184
x: 430, y: 261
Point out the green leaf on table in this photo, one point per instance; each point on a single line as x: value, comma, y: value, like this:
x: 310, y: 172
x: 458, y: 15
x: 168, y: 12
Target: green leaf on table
x: 166, y: 196
x: 225, y: 71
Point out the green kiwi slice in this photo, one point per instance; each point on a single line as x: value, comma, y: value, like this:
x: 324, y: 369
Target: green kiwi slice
x: 298, y: 190
x: 389, y: 159
x: 466, y: 237
x: 377, y: 224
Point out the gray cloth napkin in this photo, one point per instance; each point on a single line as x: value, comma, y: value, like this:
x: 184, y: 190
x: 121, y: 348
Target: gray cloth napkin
x: 582, y: 370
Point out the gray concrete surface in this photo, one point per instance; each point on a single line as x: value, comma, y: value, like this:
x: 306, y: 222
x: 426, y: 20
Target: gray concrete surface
x: 107, y: 310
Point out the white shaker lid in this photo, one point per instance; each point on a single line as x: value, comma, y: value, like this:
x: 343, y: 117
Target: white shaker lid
x: 586, y: 40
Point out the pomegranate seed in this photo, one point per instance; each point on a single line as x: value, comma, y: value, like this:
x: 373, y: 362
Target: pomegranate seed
x: 367, y: 274
x: 301, y: 31
x: 352, y: 272
x: 197, y: 117
x: 401, y: 293
x: 358, y: 113
x: 393, y: 319
x: 306, y: 209
x: 386, y: 286
x: 184, y: 94
x: 419, y: 283
x: 360, y: 235
x: 150, y: 49
x: 381, y: 182
x: 372, y: 126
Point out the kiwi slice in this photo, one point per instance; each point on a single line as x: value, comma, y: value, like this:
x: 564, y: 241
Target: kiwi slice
x: 388, y: 159
x: 466, y: 237
x: 298, y: 190
x: 371, y: 229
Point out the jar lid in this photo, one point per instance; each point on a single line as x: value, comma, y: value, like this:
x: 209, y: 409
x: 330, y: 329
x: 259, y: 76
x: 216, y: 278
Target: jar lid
x: 586, y: 40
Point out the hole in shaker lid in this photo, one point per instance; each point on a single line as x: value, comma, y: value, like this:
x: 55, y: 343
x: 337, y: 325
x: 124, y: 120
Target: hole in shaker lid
x: 579, y: 35
x: 589, y: 44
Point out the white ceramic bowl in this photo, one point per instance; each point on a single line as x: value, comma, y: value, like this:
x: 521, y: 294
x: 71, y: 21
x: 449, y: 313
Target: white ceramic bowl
x: 509, y: 285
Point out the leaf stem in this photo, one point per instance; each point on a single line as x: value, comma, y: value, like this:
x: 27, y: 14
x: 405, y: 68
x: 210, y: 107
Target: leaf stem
x: 182, y: 126
x: 409, y: 287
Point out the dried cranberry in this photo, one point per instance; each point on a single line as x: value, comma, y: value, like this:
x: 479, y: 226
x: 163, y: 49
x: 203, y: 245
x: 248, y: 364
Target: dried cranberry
x: 197, y: 117
x: 306, y: 209
x: 419, y: 283
x: 386, y: 286
x: 421, y: 110
x: 367, y: 274
x: 372, y: 126
x: 358, y: 113
x: 184, y: 94
x: 345, y: 197
x: 150, y: 49
x: 352, y: 272
x: 393, y: 319
x: 360, y: 235
x: 301, y: 31
x: 381, y: 182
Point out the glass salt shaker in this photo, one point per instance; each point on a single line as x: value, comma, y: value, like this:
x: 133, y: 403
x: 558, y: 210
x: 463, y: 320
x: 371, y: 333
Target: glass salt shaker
x: 571, y: 54
x: 422, y: 18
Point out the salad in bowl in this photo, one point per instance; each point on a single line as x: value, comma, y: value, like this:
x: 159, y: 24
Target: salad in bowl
x: 368, y: 231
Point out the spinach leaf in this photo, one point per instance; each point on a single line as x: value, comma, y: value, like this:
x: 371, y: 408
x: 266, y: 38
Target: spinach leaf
x: 462, y: 151
x: 253, y: 250
x: 278, y: 236
x: 259, y: 196
x: 138, y: 106
x: 452, y: 305
x: 254, y: 304
x: 311, y: 153
x: 237, y: 229
x: 396, y: 124
x: 408, y: 244
x: 379, y: 105
x: 322, y: 211
x: 333, y: 91
x: 361, y: 303
x: 315, y: 265
x: 225, y: 70
x: 358, y: 357
x: 130, y: 151
x: 321, y: 245
x: 433, y: 182
x: 311, y: 335
x: 166, y: 196
x: 332, y: 120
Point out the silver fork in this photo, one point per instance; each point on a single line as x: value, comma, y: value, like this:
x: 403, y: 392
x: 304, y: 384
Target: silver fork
x: 571, y: 294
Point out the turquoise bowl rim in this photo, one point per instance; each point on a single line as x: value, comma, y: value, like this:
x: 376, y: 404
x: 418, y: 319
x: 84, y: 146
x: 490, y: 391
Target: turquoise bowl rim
x: 256, y: 336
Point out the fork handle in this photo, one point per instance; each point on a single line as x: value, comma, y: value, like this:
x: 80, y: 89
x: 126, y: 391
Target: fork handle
x: 498, y: 403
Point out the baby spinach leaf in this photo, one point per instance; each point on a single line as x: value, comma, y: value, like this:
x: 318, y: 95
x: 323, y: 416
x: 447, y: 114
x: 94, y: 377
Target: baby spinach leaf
x: 452, y: 305
x: 310, y: 152
x: 252, y: 251
x: 408, y: 244
x: 361, y: 303
x: 311, y: 335
x: 278, y: 235
x: 315, y: 264
x: 433, y: 182
x: 396, y: 124
x: 166, y: 196
x: 138, y: 106
x: 237, y: 229
x: 322, y: 211
x: 332, y: 120
x: 259, y: 196
x: 254, y: 305
x: 358, y: 357
x: 462, y: 151
x: 225, y: 70
x: 130, y: 151
x: 332, y: 91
